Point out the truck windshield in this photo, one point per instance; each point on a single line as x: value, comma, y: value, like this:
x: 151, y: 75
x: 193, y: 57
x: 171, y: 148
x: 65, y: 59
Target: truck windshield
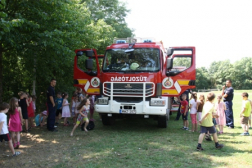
x: 139, y: 60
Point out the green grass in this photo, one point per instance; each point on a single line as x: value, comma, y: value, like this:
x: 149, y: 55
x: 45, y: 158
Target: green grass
x: 131, y: 143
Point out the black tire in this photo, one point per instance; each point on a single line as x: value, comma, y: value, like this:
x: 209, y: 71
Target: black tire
x: 162, y: 121
x: 107, y: 120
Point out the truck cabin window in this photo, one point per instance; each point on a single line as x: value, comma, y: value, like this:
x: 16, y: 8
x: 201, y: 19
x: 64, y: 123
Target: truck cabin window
x: 81, y: 64
x: 139, y: 60
x: 181, y: 63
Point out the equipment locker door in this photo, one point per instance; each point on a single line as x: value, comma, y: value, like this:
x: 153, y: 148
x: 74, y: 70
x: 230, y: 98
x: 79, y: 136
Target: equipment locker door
x: 87, y: 71
x: 180, y: 73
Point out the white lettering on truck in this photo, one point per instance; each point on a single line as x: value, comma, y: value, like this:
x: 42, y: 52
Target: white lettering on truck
x: 128, y: 79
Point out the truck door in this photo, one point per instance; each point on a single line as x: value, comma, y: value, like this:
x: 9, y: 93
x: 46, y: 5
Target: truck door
x: 87, y: 70
x: 180, y: 73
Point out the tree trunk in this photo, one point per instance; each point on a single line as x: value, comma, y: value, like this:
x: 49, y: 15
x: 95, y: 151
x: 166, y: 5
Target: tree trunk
x: 1, y: 73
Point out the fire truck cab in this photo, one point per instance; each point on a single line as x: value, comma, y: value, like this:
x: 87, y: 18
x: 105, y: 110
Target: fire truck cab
x: 135, y: 77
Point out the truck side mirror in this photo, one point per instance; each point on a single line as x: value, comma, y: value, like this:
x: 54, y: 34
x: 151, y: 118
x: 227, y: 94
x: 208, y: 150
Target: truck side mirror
x: 89, y: 53
x: 89, y: 64
x: 169, y: 51
x: 79, y: 53
x: 169, y: 63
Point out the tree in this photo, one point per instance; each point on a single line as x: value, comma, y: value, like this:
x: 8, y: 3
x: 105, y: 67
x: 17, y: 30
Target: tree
x: 43, y: 35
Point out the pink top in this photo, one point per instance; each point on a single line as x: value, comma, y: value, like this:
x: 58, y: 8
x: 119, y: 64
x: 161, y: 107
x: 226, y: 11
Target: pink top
x: 220, y: 110
x: 15, y: 122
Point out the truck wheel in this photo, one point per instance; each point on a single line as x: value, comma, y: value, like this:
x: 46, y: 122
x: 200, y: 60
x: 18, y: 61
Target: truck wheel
x: 162, y: 121
x: 107, y: 120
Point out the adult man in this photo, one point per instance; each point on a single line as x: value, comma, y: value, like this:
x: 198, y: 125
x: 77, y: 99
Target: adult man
x: 228, y: 95
x: 51, y: 106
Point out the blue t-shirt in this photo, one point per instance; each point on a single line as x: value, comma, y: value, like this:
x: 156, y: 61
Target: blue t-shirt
x: 59, y: 102
x: 230, y: 92
x: 37, y: 120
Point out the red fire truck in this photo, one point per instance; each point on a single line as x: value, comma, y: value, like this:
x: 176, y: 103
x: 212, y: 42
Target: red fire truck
x: 135, y: 77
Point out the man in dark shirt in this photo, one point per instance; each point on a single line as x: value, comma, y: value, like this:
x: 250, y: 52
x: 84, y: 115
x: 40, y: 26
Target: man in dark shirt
x: 51, y: 106
x: 228, y: 95
x: 187, y: 98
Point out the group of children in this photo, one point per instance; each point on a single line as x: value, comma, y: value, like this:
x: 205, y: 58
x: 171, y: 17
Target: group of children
x: 195, y: 108
x: 21, y: 111
x: 211, y: 116
x: 67, y: 110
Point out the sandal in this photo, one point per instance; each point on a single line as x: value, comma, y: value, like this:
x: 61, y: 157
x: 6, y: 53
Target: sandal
x: 16, y: 153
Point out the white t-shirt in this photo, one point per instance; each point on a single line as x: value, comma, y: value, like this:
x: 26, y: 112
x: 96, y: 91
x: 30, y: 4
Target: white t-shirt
x: 3, y: 118
x: 193, y: 109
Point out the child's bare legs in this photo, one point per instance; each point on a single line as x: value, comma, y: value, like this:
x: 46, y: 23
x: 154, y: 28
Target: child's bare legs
x: 221, y: 128
x: 86, y: 124
x: 201, y: 137
x: 26, y: 124
x: 13, y: 138
x: 11, y: 147
x: 215, y: 137
x: 65, y: 121
x: 249, y: 123
x: 76, y: 125
x: 245, y: 127
x: 193, y: 127
x: 74, y: 120
x: 187, y: 123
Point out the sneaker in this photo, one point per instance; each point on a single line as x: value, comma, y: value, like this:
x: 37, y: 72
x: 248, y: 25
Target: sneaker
x: 186, y: 129
x: 199, y: 148
x: 183, y: 128
x: 244, y: 134
x: 219, y: 146
x: 55, y: 126
x: 16, y: 154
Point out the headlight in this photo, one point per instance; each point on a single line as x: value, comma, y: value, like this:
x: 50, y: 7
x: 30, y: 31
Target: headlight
x: 157, y: 102
x: 103, y: 100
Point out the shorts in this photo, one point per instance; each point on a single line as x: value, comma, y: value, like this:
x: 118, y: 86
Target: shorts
x: 58, y: 111
x: 214, y: 121
x: 5, y: 137
x: 185, y: 117
x: 244, y: 120
x: 73, y: 114
x: 211, y: 130
x: 193, y: 118
x: 84, y: 119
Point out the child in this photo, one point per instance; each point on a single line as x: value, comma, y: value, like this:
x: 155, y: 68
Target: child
x: 65, y: 108
x: 92, y: 102
x: 40, y: 118
x: 220, y: 108
x: 83, y: 109
x: 200, y: 105
x: 246, y: 110
x: 23, y: 103
x: 31, y: 113
x: 59, y: 102
x: 206, y: 122
x: 15, y: 122
x: 249, y: 123
x: 193, y: 111
x: 74, y: 108
x: 4, y: 133
x: 184, y: 111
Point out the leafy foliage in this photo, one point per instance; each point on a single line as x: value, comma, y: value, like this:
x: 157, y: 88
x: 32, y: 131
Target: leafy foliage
x: 38, y: 39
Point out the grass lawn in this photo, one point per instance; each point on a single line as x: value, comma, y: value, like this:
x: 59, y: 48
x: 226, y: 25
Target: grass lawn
x: 131, y: 143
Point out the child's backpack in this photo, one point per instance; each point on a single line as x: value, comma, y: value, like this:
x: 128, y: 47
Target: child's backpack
x: 90, y: 126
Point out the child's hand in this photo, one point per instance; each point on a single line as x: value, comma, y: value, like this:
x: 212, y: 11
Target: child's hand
x: 200, y: 122
x: 184, y: 114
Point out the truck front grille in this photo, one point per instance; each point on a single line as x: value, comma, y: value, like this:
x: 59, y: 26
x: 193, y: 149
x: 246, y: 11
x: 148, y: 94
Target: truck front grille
x: 129, y: 89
